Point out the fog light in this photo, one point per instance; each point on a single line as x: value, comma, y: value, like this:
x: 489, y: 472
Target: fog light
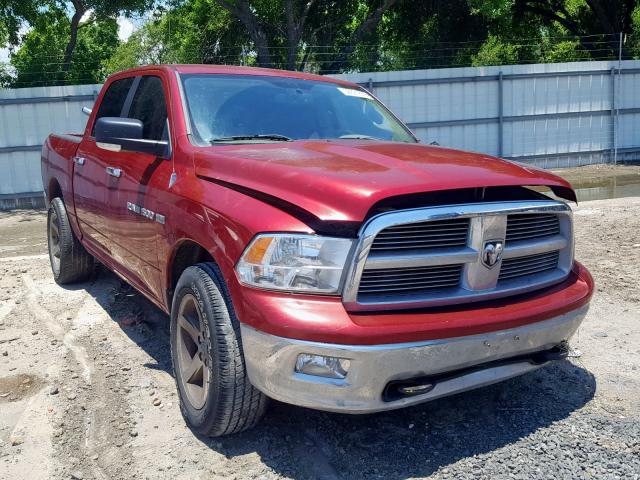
x: 321, y: 366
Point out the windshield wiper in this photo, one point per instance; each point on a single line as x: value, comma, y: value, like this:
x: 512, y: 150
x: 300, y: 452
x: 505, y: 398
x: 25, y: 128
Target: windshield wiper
x: 271, y: 136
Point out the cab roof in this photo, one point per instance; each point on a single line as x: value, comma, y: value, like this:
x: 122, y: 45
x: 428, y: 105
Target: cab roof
x: 234, y: 70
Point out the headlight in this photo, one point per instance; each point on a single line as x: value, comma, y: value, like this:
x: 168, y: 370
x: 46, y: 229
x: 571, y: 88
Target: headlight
x: 294, y: 262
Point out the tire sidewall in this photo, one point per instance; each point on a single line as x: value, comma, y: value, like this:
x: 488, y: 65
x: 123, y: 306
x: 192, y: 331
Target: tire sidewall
x: 192, y: 282
x: 52, y: 209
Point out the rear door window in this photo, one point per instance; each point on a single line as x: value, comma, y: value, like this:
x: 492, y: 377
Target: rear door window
x: 149, y: 106
x: 113, y: 100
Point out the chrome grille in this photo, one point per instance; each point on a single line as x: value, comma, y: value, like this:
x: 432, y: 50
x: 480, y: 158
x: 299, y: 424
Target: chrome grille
x: 409, y: 280
x: 525, y: 227
x: 423, y: 236
x: 447, y: 254
x: 528, y: 265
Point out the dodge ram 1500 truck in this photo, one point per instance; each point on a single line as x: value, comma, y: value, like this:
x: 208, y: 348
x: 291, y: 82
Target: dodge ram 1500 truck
x: 307, y: 247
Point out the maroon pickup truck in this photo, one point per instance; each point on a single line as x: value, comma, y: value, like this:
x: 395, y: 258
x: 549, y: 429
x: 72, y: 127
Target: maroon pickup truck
x: 307, y: 247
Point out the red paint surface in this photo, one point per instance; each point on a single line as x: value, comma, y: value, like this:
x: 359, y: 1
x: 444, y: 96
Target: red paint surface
x: 341, y: 180
x: 324, y: 319
x: 333, y: 180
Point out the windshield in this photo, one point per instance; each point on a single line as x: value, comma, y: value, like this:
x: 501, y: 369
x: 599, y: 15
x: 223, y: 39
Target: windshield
x: 243, y: 108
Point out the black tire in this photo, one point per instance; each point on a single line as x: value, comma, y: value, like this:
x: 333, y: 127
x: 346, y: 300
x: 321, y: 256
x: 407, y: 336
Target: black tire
x: 226, y: 403
x: 70, y: 262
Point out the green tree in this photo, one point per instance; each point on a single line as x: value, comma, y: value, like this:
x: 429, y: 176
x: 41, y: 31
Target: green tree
x: 39, y: 61
x: 590, y: 28
x: 13, y: 15
x: 280, y: 29
x: 423, y: 35
x: 100, y: 10
x: 197, y: 31
x: 267, y: 33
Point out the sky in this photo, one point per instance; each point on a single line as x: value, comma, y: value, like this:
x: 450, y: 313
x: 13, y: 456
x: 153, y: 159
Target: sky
x: 125, y: 29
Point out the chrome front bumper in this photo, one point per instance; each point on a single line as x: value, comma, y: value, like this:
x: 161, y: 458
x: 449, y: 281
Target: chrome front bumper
x: 271, y: 363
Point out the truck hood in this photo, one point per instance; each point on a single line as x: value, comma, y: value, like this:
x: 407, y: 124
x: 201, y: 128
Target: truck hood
x: 341, y: 180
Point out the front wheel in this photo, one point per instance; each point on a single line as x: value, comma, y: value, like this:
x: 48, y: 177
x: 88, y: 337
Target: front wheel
x: 216, y: 397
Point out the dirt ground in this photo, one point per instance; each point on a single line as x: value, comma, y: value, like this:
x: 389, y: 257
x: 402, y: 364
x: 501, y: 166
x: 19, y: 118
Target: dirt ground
x: 86, y: 389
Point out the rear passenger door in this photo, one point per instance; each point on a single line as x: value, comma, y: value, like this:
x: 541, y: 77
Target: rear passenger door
x: 136, y: 219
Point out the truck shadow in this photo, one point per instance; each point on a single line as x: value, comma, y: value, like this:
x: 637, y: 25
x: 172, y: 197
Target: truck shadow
x: 414, y: 442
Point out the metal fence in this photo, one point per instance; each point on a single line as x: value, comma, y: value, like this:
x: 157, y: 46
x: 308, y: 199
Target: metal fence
x: 27, y: 116
x: 551, y: 115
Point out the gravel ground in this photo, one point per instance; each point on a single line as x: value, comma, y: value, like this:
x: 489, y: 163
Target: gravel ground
x: 86, y: 389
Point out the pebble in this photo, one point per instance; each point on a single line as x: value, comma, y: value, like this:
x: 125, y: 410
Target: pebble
x: 35, y: 332
x: 16, y: 439
x: 54, y: 390
x: 133, y: 433
x: 76, y: 475
x: 157, y: 402
x: 72, y: 396
x: 5, y: 353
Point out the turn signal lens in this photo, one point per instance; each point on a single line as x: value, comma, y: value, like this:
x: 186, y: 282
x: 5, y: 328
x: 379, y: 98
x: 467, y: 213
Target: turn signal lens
x: 295, y: 263
x: 255, y: 253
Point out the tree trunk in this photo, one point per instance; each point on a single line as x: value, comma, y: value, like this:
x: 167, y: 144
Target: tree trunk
x: 293, y: 37
x: 80, y: 10
x: 611, y: 18
x: 295, y: 29
x: 359, y: 34
x: 242, y: 11
x: 539, y: 8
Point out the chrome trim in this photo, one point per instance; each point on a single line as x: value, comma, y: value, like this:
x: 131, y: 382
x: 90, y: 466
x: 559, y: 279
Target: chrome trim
x: 442, y: 257
x: 488, y: 222
x: 532, y: 247
x: 271, y: 361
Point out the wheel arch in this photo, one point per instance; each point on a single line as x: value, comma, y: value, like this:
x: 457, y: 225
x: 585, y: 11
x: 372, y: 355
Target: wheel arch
x: 54, y: 190
x: 185, y: 254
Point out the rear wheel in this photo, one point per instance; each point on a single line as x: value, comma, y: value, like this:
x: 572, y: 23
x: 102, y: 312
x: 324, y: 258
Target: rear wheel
x: 216, y: 397
x: 70, y: 262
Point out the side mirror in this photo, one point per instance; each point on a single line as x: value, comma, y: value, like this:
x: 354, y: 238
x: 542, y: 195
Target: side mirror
x: 126, y: 133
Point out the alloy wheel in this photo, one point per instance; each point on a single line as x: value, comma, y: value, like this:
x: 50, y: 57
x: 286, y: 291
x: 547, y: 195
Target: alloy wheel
x: 54, y: 240
x: 193, y: 352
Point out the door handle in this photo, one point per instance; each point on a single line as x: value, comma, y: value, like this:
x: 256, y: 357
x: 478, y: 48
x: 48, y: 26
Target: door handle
x: 114, y: 172
x: 79, y: 160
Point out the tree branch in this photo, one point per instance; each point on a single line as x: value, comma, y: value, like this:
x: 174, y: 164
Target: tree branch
x: 242, y: 11
x: 364, y: 29
x: 79, y: 10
